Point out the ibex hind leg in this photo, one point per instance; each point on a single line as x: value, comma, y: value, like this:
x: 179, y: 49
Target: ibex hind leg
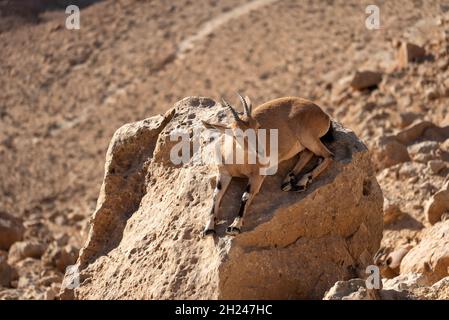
x: 319, y: 149
x: 289, y: 183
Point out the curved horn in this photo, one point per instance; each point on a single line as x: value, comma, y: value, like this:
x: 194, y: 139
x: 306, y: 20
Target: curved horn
x: 234, y: 113
x: 250, y: 104
x: 245, y: 105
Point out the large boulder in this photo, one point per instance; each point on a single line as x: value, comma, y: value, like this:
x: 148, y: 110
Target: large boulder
x: 145, y: 237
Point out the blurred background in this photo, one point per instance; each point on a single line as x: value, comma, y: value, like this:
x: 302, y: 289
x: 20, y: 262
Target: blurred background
x: 64, y: 92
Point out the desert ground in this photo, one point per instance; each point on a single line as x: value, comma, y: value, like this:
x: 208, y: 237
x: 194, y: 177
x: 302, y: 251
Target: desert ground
x: 65, y: 92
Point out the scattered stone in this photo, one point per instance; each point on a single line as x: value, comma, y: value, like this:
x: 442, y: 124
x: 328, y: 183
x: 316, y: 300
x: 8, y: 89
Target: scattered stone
x: 392, y: 211
x: 30, y: 270
x: 409, y: 52
x: 436, y: 166
x: 438, y: 205
x: 388, y: 151
x: 25, y: 249
x: 408, y: 170
x: 50, y: 279
x: 59, y: 257
x: 423, y: 130
x: 366, y: 80
x: 355, y: 289
x: 438, y: 291
x: 424, y: 151
x: 11, y: 230
x: 405, y: 282
x: 432, y: 93
x: 52, y: 292
x: 7, y: 273
x: 407, y: 118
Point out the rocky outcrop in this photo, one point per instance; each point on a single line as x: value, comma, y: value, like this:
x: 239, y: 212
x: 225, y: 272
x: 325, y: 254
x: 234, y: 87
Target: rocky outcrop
x: 145, y: 236
x: 431, y: 256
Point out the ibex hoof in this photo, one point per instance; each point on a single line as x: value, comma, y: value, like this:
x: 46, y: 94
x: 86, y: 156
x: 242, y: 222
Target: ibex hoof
x: 286, y: 186
x: 299, y: 188
x: 303, y: 183
x: 232, y: 231
x: 207, y: 232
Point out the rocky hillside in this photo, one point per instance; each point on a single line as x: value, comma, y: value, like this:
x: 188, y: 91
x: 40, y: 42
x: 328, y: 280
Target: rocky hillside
x: 65, y: 92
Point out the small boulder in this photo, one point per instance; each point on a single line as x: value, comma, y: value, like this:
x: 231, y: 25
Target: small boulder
x: 436, y: 166
x: 366, y: 80
x: 11, y: 230
x: 7, y: 273
x: 408, y: 53
x: 408, y: 282
x: 431, y: 256
x: 392, y: 211
x: 405, y: 119
x: 438, y: 205
x: 25, y: 249
x: 60, y: 257
x: 388, y: 151
x: 424, y: 151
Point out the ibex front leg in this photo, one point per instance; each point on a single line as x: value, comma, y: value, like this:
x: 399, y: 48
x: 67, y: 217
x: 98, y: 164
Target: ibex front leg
x: 251, y: 190
x: 223, y: 182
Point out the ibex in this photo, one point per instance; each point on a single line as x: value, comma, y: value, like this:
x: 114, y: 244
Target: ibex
x: 300, y: 124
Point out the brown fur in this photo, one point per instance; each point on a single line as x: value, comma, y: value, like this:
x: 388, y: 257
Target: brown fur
x: 300, y: 124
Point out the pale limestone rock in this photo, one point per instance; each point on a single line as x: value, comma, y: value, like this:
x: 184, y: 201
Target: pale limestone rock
x: 145, y: 237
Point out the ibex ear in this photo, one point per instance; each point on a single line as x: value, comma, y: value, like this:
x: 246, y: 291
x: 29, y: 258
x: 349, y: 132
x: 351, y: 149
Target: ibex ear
x: 215, y: 126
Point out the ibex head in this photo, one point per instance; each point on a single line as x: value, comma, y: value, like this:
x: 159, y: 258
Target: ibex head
x: 242, y: 122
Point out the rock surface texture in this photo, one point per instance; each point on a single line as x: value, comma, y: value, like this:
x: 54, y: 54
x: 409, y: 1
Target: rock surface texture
x: 145, y: 236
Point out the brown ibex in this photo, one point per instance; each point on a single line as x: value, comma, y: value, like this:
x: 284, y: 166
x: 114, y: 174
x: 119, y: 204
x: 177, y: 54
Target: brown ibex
x: 300, y: 124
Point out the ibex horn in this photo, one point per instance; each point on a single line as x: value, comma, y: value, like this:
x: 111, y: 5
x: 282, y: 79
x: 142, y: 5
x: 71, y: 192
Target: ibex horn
x: 234, y: 113
x: 245, y: 105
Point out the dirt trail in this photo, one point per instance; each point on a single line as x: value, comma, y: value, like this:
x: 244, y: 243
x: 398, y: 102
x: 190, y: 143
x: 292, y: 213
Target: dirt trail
x: 217, y: 22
